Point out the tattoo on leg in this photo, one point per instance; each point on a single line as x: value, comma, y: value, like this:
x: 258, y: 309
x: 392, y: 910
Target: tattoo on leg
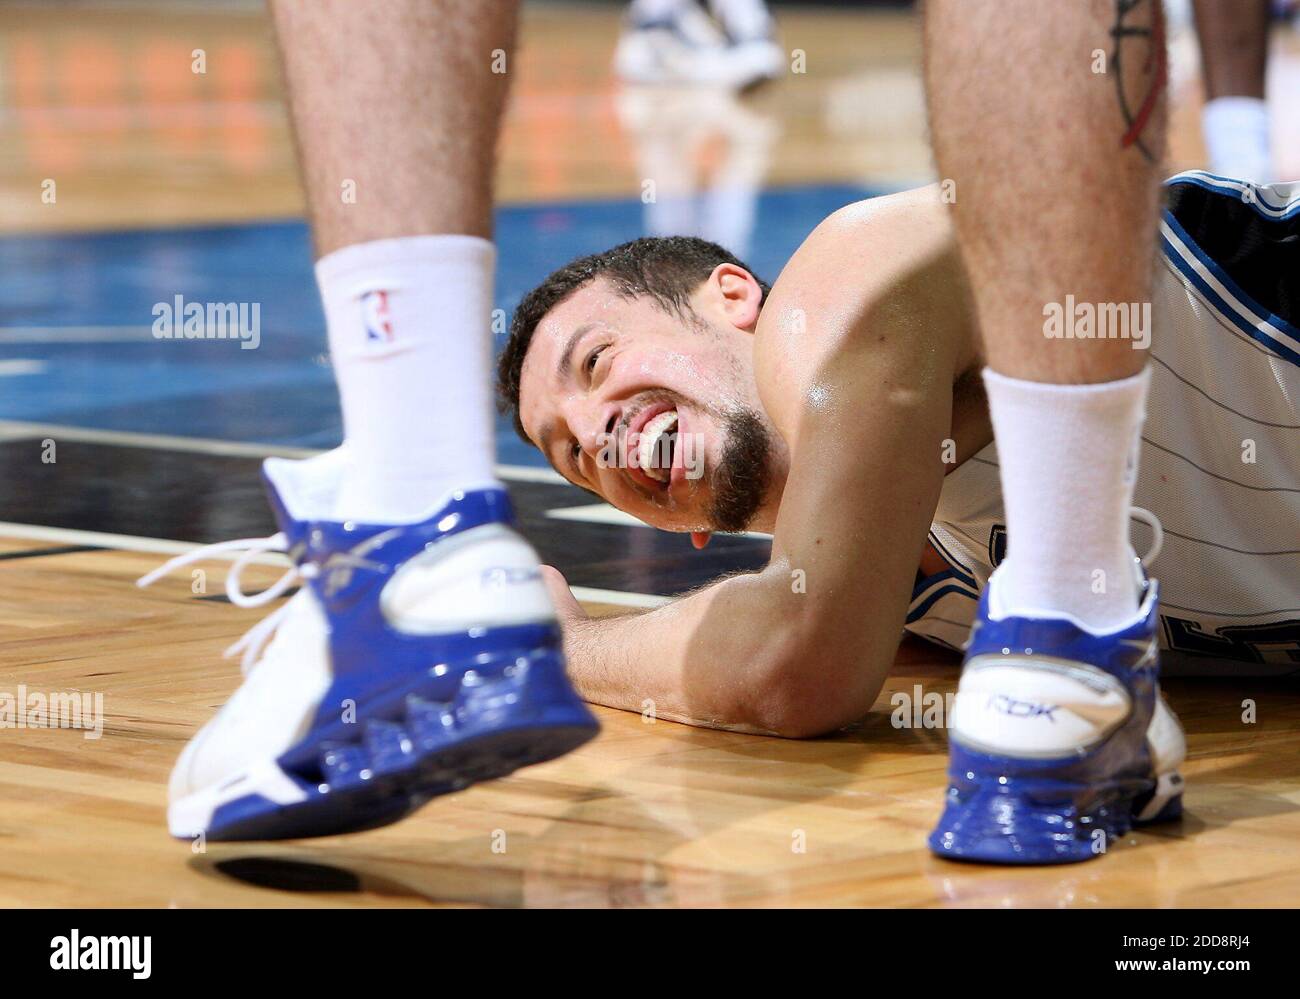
x: 1152, y: 39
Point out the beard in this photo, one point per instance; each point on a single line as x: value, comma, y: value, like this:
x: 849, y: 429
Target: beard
x: 740, y: 481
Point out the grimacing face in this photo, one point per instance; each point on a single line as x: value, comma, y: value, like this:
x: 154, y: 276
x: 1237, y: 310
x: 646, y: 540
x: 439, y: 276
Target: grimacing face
x: 656, y: 413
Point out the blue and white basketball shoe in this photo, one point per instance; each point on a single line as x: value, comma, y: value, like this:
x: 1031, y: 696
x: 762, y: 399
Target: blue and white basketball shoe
x: 416, y: 660
x: 1059, y: 739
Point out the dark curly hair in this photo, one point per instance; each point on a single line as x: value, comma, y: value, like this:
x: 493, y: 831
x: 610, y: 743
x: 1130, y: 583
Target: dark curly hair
x: 666, y: 268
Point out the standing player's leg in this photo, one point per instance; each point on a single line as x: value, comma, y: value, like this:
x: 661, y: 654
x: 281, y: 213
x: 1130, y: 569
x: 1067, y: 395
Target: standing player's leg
x: 1234, y: 57
x: 1056, y: 169
x: 396, y: 120
x: 421, y: 654
x: 1051, y: 124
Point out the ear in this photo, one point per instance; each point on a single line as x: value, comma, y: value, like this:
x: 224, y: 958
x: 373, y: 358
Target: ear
x: 700, y: 538
x: 739, y: 293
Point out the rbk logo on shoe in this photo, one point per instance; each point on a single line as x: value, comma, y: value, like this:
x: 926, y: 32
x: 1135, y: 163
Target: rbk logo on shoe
x: 1003, y: 704
x: 499, y: 577
x: 376, y: 318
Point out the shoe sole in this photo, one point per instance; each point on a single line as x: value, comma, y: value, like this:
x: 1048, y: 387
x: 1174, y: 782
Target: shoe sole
x: 995, y: 817
x: 512, y: 712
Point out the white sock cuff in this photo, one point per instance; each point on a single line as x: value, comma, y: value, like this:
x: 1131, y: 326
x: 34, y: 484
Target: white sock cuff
x: 1237, y: 111
x: 654, y: 10
x: 388, y: 296
x: 401, y: 253
x: 1018, y: 390
x: 1068, y: 458
x: 1237, y: 140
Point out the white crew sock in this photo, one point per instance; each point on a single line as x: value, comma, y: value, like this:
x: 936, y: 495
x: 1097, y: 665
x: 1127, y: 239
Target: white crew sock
x: 743, y: 19
x: 1068, y: 456
x: 1237, y: 138
x: 656, y: 10
x: 410, y: 339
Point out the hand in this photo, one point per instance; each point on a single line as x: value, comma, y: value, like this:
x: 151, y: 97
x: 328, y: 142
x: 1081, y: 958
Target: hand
x: 567, y: 608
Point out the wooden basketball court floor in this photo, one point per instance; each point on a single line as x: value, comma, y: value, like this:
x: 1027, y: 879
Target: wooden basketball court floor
x: 166, y: 177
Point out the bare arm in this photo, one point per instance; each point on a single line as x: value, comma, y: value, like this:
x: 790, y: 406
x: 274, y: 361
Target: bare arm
x: 803, y: 647
x: 673, y: 661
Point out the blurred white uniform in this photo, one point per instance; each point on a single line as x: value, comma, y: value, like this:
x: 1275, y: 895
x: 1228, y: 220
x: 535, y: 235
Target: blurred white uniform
x: 732, y: 45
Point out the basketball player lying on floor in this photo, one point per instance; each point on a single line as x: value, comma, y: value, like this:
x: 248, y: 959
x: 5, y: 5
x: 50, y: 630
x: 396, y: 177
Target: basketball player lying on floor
x: 842, y: 411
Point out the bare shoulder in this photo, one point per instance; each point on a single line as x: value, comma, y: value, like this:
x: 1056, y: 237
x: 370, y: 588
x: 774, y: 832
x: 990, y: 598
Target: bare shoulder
x: 880, y: 228
x: 868, y: 267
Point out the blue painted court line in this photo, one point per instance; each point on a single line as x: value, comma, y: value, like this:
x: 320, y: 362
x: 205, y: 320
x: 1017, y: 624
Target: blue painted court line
x: 83, y: 305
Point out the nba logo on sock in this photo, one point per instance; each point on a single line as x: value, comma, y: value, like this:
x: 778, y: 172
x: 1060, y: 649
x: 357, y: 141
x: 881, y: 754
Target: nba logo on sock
x: 375, y: 317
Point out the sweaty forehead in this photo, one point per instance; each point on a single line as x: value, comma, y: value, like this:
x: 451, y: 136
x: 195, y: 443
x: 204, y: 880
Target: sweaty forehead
x: 539, y: 377
x: 586, y: 305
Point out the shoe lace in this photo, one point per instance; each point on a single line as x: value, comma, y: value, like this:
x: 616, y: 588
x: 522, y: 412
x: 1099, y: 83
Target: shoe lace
x: 254, y: 640
x: 1157, y: 534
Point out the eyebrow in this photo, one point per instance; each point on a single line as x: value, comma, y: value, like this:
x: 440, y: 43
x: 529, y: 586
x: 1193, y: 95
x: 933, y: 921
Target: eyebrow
x: 566, y: 356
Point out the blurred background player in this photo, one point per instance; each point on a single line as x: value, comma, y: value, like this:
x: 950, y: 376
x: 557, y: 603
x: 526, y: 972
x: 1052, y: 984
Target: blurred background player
x: 686, y: 68
x: 706, y: 151
x: 1233, y: 36
x: 731, y: 44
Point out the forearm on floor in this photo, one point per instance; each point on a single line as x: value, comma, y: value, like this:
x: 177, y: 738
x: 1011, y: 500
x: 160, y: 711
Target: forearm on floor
x: 702, y: 659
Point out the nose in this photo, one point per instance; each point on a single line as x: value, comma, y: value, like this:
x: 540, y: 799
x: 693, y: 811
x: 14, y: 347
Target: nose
x: 594, y: 425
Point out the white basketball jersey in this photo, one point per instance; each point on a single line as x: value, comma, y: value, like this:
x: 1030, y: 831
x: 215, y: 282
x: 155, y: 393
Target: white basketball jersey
x: 1220, y: 458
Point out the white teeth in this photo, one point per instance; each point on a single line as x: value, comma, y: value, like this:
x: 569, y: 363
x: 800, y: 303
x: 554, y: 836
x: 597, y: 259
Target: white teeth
x: 649, y: 442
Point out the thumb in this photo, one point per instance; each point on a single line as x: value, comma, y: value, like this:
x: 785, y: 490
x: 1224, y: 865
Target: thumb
x: 566, y: 604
